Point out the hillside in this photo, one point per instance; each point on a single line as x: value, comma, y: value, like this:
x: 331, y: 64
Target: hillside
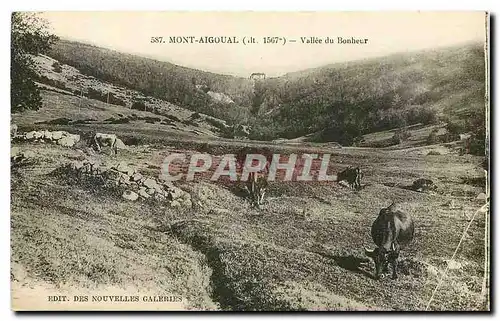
x: 346, y: 100
x: 338, y: 102
x: 179, y: 85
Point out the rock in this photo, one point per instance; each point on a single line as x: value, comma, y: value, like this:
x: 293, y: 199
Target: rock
x: 186, y: 196
x: 28, y: 154
x: 66, y: 142
x: 137, y: 177
x: 129, y: 195
x: 14, y: 151
x: 175, y: 193
x: 482, y: 197
x: 74, y: 137
x: 47, y: 134
x: 150, y: 191
x: 131, y: 171
x: 57, y: 135
x: 30, y: 135
x: 158, y: 188
x: 150, y: 183
x: 125, y: 178
x: 13, y: 130
x: 175, y: 204
x: 454, y: 265
x: 38, y: 135
x: 187, y: 204
x: 120, y: 144
x: 123, y: 167
x: 142, y: 192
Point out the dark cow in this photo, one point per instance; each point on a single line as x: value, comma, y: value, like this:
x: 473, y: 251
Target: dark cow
x: 352, y: 175
x: 391, y: 231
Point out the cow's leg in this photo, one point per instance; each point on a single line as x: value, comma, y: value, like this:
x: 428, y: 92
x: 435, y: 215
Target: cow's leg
x: 358, y: 182
x: 393, y: 257
x: 113, y: 147
x: 97, y: 144
x: 385, y: 268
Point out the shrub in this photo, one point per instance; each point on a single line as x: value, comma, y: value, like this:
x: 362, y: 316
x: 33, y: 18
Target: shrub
x: 432, y: 138
x: 56, y: 66
x: 139, y: 105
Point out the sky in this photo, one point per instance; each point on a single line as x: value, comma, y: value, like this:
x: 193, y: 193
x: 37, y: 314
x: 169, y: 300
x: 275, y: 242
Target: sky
x: 387, y: 32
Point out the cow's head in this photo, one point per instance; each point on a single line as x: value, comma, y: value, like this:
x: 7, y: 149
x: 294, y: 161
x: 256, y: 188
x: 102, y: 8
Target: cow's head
x: 380, y: 257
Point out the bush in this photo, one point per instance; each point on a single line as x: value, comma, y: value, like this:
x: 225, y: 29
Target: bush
x: 56, y: 66
x: 432, y: 138
x: 139, y: 105
x: 29, y: 36
x: 400, y: 136
x: 195, y: 116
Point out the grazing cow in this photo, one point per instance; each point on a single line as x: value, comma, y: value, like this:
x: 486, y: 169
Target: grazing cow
x: 352, y: 176
x: 256, y: 187
x: 256, y: 184
x: 391, y: 231
x: 106, y: 140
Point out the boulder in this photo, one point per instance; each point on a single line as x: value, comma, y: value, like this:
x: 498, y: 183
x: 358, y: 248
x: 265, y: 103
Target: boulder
x: 74, y: 137
x: 30, y: 135
x: 66, y: 142
x: 454, y: 265
x: 482, y: 197
x: 150, y: 191
x: 150, y: 183
x: 142, y: 192
x: 175, y: 204
x: 175, y: 193
x: 57, y: 135
x: 137, y: 177
x: 14, y: 151
x: 131, y: 171
x: 124, y: 168
x: 47, y: 135
x: 120, y: 144
x: 158, y: 188
x: 124, y: 178
x: 38, y: 135
x: 28, y: 154
x: 129, y: 195
x: 187, y: 204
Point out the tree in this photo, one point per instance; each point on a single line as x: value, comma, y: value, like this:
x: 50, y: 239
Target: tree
x: 29, y: 36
